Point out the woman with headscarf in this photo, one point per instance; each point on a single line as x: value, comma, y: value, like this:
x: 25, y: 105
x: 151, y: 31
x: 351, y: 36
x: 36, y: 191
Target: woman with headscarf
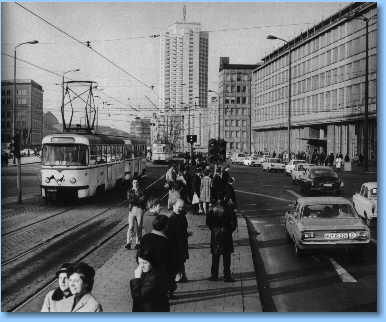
x: 60, y: 293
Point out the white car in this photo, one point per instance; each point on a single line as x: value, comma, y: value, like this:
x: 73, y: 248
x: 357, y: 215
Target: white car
x: 291, y: 165
x: 251, y: 161
x: 299, y: 171
x: 24, y: 152
x: 273, y: 164
x: 238, y: 158
x: 365, y: 202
x: 261, y: 160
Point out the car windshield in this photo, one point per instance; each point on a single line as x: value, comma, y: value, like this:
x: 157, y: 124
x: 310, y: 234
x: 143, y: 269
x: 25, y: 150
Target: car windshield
x: 328, y: 211
x: 275, y: 160
x: 324, y: 173
x: 60, y: 154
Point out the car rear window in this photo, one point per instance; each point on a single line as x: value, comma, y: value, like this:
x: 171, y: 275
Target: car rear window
x: 328, y: 211
x: 324, y: 173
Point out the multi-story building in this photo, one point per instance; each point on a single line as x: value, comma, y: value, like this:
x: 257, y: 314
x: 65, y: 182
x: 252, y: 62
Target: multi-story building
x: 233, y: 124
x: 184, y: 75
x: 141, y: 129
x: 29, y: 112
x: 328, y: 81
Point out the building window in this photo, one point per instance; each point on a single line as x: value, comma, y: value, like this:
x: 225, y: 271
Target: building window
x: 226, y: 122
x: 244, y: 134
x: 244, y: 123
x: 238, y: 99
x: 226, y: 134
x: 244, y: 100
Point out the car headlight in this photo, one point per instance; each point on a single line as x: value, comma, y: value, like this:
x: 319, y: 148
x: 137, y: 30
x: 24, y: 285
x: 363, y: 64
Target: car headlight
x: 363, y: 235
x: 308, y: 235
x: 72, y: 180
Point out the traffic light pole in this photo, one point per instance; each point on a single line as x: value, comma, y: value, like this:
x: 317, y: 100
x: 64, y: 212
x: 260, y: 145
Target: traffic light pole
x: 191, y: 154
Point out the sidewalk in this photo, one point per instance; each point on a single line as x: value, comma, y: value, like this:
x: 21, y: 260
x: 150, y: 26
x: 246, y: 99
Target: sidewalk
x: 112, y: 286
x: 25, y: 160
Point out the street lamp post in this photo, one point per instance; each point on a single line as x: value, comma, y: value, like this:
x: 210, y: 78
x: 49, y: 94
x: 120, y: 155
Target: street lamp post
x: 62, y: 109
x: 271, y: 37
x: 14, y: 131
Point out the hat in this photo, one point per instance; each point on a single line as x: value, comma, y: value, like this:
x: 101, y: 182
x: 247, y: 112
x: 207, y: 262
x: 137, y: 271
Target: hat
x: 65, y: 268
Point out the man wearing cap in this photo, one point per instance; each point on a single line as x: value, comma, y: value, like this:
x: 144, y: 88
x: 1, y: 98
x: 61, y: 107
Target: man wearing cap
x: 136, y: 198
x: 60, y: 293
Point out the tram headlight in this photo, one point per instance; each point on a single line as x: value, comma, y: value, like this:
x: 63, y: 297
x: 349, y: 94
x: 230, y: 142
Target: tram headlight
x: 48, y: 180
x: 72, y: 180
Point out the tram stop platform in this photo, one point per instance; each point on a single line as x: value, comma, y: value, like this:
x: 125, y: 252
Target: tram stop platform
x: 112, y: 280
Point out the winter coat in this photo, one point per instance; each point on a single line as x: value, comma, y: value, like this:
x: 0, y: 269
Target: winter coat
x: 222, y: 222
x: 150, y: 293
x: 88, y: 303
x: 230, y: 195
x: 136, y: 198
x: 205, y: 189
x: 217, y: 186
x: 177, y: 232
x: 196, y: 184
x: 52, y: 298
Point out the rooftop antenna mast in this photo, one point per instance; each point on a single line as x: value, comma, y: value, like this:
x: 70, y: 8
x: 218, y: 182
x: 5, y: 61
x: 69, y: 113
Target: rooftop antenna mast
x: 184, y: 13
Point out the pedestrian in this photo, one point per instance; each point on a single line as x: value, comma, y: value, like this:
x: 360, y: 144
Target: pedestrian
x: 163, y: 249
x: 81, y: 281
x: 174, y: 193
x: 153, y: 210
x: 360, y: 159
x: 195, y: 192
x: 149, y: 286
x: 346, y: 158
x: 171, y: 174
x: 331, y: 159
x: 60, y: 293
x: 186, y: 190
x: 356, y: 160
x: 229, y: 193
x: 136, y: 198
x: 338, y: 163
x: 217, y: 184
x: 205, y: 191
x: 222, y: 222
x: 225, y: 175
x: 178, y: 234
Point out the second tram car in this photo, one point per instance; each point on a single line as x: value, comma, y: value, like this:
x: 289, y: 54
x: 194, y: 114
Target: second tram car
x: 87, y: 163
x: 162, y: 152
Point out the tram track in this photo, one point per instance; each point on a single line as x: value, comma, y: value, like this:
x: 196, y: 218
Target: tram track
x: 24, y: 298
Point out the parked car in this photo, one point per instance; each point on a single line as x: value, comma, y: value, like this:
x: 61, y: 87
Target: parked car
x: 24, y: 152
x: 321, y: 180
x: 273, y: 164
x: 299, y: 171
x: 325, y: 223
x: 365, y: 202
x: 261, y: 160
x: 251, y: 161
x: 291, y: 165
x: 237, y: 158
x: 8, y: 152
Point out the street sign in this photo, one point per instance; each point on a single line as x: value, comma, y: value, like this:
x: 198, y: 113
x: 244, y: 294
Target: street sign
x: 191, y: 138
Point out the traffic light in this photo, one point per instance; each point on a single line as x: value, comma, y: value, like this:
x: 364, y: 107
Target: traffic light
x: 212, y: 150
x: 15, y: 146
x: 222, y: 150
x: 191, y: 138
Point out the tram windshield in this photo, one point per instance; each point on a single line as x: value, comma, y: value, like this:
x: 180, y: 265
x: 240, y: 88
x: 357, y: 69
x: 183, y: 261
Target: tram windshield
x: 57, y: 154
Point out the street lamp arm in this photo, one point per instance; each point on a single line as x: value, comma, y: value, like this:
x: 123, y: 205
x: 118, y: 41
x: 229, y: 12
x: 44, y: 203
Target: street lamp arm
x: 271, y: 37
x: 32, y: 42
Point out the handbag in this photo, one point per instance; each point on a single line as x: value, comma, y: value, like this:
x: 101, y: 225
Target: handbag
x: 195, y: 199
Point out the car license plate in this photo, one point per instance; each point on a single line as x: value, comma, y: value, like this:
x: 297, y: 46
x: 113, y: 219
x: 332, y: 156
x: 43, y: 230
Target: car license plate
x: 336, y: 236
x: 328, y: 184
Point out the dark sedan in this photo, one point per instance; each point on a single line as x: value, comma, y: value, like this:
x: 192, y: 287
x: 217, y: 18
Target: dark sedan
x: 321, y: 180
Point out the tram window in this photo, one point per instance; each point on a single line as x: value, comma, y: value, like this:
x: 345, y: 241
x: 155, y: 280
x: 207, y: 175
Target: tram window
x: 100, y: 154
x: 120, y: 152
x: 65, y: 155
x: 112, y: 153
x: 104, y: 154
x: 128, y: 151
x: 93, y: 154
x: 108, y: 153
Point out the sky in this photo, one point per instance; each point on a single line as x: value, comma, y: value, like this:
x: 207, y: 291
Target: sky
x: 124, y: 59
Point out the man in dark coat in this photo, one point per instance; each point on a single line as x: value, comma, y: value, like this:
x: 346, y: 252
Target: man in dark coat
x: 222, y: 222
x: 196, y: 186
x: 229, y: 194
x: 177, y: 232
x: 217, y: 184
x: 225, y: 175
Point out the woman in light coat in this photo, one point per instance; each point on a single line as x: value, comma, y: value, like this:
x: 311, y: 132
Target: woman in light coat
x: 205, y: 191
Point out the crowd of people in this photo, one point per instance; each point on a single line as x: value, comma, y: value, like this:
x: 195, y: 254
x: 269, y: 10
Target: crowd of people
x: 161, y: 241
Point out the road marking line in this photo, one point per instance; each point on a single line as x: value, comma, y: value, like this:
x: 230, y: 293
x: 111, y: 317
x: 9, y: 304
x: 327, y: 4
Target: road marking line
x: 343, y: 274
x: 259, y: 194
x: 294, y: 193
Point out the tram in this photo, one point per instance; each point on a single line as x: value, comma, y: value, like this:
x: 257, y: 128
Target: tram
x: 88, y: 163
x: 162, y: 152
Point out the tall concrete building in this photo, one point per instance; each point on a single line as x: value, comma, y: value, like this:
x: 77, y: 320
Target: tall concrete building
x: 328, y: 88
x: 234, y: 110
x: 184, y: 76
x: 29, y: 112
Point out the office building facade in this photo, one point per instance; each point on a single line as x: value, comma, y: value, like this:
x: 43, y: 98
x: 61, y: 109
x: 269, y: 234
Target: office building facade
x: 233, y: 114
x: 29, y: 112
x: 328, y: 82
